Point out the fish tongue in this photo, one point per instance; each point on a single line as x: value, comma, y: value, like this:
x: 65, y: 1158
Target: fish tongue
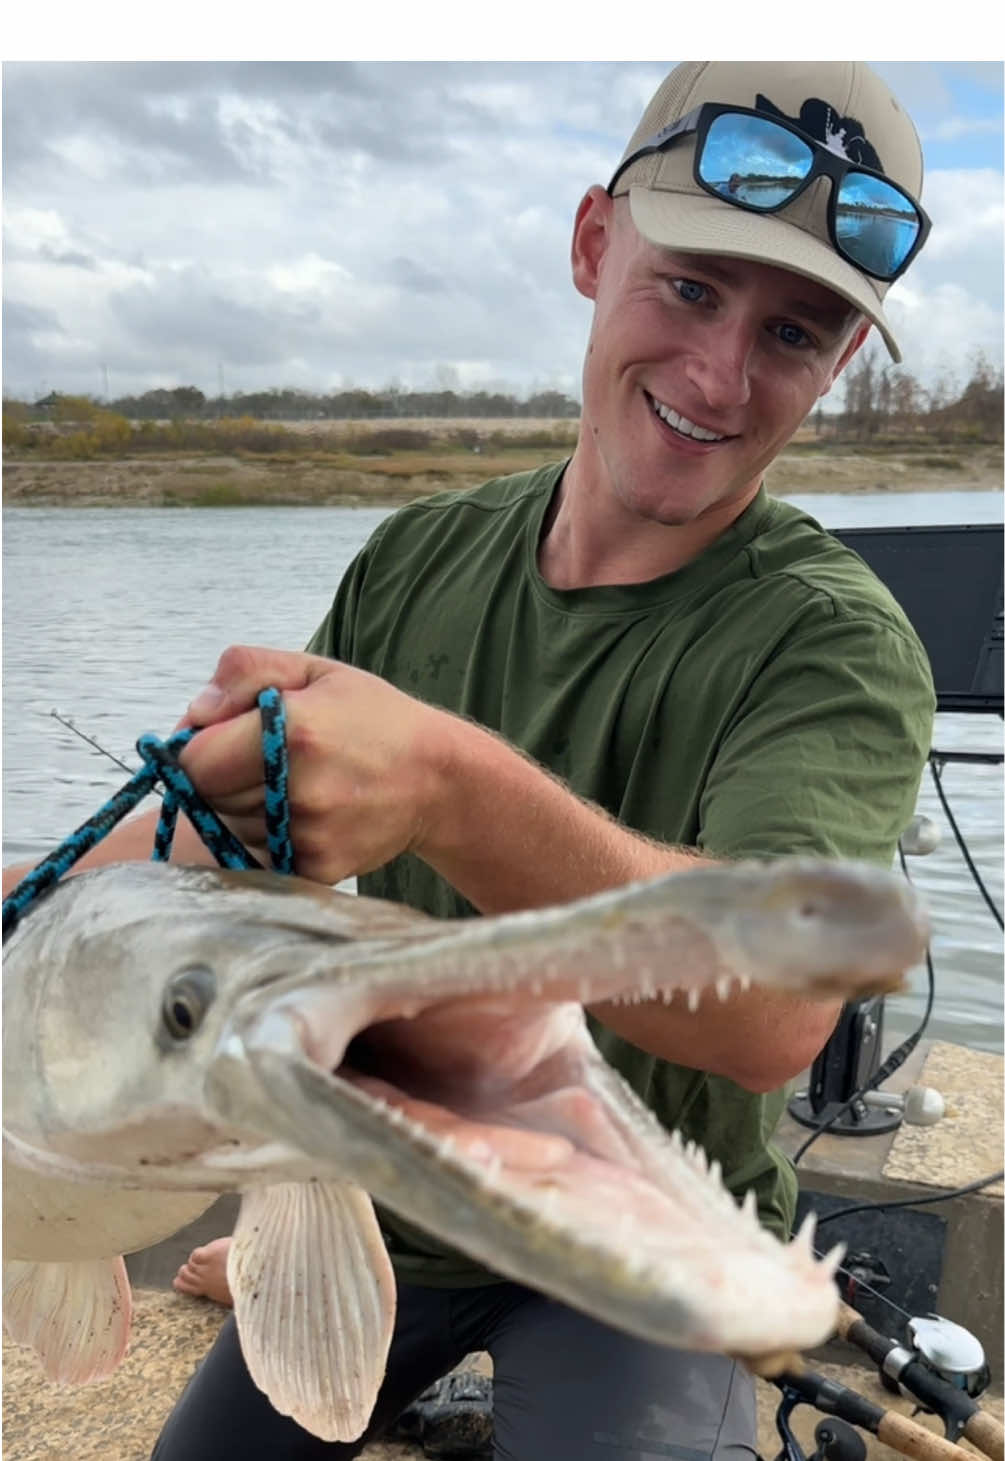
x: 314, y: 1298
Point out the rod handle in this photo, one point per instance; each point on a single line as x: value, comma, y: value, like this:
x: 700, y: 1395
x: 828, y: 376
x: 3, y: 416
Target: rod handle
x: 987, y: 1434
x: 911, y: 1439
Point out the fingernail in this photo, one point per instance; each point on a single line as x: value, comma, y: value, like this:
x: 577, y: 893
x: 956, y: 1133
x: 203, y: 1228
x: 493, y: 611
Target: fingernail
x: 206, y: 704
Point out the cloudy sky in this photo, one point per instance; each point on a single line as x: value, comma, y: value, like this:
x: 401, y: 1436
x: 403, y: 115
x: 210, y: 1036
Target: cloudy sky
x: 321, y: 224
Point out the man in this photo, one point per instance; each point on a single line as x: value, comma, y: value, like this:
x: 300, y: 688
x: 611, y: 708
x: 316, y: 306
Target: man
x: 603, y: 670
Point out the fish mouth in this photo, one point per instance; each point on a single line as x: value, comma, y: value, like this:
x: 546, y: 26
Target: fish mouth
x: 457, y: 1083
x: 493, y: 1123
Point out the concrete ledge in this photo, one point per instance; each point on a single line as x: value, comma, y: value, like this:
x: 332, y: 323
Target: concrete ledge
x: 963, y: 1147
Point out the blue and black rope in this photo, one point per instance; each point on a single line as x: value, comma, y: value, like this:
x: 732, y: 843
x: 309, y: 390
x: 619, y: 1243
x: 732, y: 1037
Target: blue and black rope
x: 161, y: 764
x: 277, y: 803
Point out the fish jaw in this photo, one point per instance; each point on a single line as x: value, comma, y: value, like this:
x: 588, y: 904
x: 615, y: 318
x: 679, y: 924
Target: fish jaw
x: 531, y: 1188
x: 813, y: 927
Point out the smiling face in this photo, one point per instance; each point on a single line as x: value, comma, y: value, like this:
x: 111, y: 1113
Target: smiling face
x: 698, y: 371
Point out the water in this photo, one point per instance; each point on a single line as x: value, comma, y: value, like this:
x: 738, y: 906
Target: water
x: 116, y: 617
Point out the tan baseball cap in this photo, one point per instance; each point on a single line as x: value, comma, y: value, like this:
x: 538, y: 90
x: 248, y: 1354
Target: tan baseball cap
x: 842, y: 104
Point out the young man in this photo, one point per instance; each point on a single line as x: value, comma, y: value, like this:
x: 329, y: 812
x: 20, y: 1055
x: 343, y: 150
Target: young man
x: 603, y: 670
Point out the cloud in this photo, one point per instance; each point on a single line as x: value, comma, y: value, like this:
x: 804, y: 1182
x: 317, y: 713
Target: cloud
x: 953, y: 128
x: 316, y: 223
x: 28, y: 319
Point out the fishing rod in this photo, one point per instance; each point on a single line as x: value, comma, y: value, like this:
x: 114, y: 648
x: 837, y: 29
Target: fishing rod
x: 941, y: 1366
x: 837, y: 1437
x: 63, y: 720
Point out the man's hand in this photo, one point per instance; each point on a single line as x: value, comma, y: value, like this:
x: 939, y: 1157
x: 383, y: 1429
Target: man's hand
x: 363, y: 759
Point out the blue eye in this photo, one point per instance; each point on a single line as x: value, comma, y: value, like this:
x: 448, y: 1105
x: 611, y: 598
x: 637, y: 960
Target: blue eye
x: 792, y: 335
x: 690, y: 290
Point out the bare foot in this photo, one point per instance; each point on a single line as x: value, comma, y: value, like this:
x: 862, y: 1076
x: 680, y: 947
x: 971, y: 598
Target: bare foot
x: 205, y: 1273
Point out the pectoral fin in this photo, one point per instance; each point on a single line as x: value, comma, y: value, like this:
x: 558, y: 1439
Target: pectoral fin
x: 75, y: 1316
x: 314, y: 1298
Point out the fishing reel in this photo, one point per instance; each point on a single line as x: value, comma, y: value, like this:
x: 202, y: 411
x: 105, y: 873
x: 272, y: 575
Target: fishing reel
x: 940, y: 1365
x: 947, y: 1350
x: 835, y: 1439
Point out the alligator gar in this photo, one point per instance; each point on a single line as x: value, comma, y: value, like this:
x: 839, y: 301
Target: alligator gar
x: 172, y: 1033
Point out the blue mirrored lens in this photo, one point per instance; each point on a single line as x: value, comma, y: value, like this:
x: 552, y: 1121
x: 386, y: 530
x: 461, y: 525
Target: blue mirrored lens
x: 875, y: 223
x: 750, y: 160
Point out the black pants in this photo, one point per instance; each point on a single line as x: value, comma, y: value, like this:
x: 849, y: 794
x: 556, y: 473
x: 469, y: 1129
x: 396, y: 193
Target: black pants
x: 565, y: 1388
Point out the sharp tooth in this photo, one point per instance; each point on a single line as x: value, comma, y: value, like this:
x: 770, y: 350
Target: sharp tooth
x: 549, y: 1202
x: 693, y: 999
x: 804, y: 1238
x: 723, y: 986
x: 831, y: 1262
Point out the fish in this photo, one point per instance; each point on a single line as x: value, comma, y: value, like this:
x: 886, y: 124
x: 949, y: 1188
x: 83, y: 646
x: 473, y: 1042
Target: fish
x: 174, y: 1032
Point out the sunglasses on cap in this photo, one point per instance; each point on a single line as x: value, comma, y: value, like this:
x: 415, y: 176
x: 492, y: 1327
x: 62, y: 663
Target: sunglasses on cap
x: 759, y: 163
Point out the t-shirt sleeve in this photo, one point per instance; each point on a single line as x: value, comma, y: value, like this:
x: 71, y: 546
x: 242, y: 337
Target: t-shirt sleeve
x: 826, y: 752
x: 335, y: 637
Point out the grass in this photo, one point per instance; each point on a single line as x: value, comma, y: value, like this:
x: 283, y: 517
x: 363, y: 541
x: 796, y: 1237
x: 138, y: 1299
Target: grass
x: 381, y: 463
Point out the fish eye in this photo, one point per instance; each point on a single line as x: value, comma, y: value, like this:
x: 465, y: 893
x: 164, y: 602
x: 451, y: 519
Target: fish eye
x: 187, y: 998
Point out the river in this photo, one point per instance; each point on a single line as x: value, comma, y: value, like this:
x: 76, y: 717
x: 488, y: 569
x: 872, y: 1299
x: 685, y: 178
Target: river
x: 115, y: 617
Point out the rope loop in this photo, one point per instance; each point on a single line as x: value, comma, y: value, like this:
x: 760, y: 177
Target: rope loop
x: 161, y: 764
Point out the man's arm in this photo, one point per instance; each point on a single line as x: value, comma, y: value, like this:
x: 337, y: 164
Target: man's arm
x: 510, y: 836
x: 130, y: 841
x: 374, y: 772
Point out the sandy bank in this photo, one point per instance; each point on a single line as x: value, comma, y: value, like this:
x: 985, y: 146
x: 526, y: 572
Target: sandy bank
x: 232, y: 481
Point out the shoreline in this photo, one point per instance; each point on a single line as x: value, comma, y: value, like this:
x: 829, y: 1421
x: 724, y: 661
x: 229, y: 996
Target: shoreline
x: 193, y: 480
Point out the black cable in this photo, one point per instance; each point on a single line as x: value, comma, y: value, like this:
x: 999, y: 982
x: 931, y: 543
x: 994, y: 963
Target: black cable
x: 912, y: 1201
x: 896, y: 1059
x: 960, y: 841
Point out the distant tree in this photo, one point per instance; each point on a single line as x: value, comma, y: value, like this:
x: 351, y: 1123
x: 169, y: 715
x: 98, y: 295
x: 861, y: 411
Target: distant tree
x: 907, y: 400
x: 68, y: 409
x: 188, y: 401
x: 980, y: 403
x: 550, y: 403
x: 860, y: 396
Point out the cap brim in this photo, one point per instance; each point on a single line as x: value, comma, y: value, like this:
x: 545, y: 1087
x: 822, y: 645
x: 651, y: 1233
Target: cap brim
x: 701, y: 225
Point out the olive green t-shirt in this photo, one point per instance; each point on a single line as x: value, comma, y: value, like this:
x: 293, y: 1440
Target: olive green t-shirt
x: 770, y: 697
